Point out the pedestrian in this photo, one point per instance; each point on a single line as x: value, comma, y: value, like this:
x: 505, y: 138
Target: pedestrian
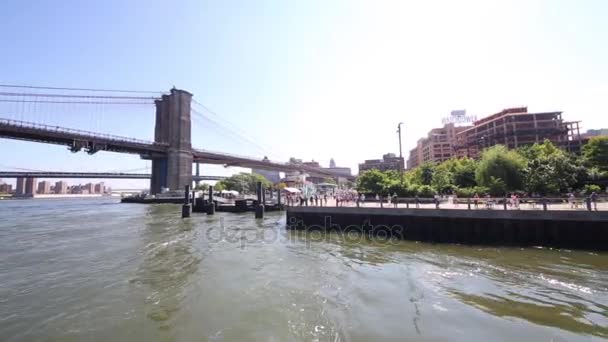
x: 316, y: 200
x: 395, y: 199
x: 572, y: 200
x: 593, y: 198
x: 436, y: 199
x: 476, y: 200
x: 325, y: 198
x: 417, y: 200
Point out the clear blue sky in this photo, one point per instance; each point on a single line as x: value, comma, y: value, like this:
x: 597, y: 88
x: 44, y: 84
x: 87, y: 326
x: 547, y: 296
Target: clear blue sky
x: 310, y: 79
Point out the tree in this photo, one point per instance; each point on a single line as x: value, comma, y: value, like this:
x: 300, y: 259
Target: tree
x: 329, y: 180
x: 423, y: 174
x: 443, y: 179
x: 371, y: 181
x: 499, y: 163
x: 202, y: 186
x: 244, y: 182
x: 595, y: 153
x: 549, y: 169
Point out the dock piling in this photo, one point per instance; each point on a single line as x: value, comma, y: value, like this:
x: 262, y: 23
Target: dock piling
x: 186, y: 208
x: 259, y: 209
x: 211, y: 206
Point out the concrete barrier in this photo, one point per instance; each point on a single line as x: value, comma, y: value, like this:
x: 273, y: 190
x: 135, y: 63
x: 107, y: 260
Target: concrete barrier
x: 564, y: 229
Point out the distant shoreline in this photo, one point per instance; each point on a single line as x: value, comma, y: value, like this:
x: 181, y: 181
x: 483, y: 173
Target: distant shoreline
x: 58, y: 196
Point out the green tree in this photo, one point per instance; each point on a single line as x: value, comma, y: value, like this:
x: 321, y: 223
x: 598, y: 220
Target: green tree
x: 443, y: 179
x: 423, y: 174
x: 595, y: 153
x: 549, y: 169
x: 499, y: 163
x: 244, y: 182
x: 202, y: 186
x: 372, y: 181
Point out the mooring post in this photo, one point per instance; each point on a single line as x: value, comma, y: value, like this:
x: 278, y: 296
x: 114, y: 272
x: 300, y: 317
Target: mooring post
x: 544, y: 204
x: 211, y: 205
x: 381, y: 202
x: 186, y: 207
x: 259, y: 209
x: 407, y: 203
x: 469, y: 203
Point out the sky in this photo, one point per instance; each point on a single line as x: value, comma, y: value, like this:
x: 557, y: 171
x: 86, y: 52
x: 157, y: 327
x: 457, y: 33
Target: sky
x: 310, y: 79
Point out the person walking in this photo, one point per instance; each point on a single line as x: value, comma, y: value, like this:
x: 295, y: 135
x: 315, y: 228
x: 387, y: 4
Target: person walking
x: 417, y: 200
x: 476, y: 200
x: 593, y: 198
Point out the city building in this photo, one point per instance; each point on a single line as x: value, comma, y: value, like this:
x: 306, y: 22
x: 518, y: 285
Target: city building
x: 30, y: 186
x: 61, y: 188
x: 6, y: 188
x: 312, y: 163
x: 20, y: 186
x: 88, y: 188
x: 515, y: 127
x: 602, y: 132
x: 389, y: 161
x: 99, y: 188
x: 44, y: 187
x: 439, y: 145
x: 272, y: 176
x: 332, y: 163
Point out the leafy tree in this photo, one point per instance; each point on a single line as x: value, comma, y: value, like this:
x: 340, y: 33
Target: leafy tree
x: 372, y: 181
x: 595, y: 153
x: 244, y: 182
x: 443, y: 179
x: 423, y: 174
x: 426, y: 191
x: 549, y: 170
x: 202, y: 186
x: 499, y: 163
x: 464, y: 172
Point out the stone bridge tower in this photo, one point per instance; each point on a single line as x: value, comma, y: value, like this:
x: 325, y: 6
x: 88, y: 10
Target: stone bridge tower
x: 173, y: 128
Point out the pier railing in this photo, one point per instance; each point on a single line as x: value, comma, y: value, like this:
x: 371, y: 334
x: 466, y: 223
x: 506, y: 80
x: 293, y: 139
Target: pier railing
x: 482, y: 203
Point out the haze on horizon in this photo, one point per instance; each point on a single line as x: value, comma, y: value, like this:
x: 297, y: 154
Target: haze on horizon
x: 311, y: 80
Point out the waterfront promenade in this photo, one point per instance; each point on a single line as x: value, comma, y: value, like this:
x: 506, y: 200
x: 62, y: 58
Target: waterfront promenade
x: 496, y: 204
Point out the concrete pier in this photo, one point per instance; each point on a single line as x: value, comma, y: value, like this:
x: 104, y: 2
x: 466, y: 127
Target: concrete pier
x: 563, y: 229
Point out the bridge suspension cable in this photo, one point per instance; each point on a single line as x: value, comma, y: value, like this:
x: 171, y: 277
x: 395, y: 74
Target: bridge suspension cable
x: 79, y: 96
x: 78, y: 102
x: 81, y: 89
x: 240, y: 137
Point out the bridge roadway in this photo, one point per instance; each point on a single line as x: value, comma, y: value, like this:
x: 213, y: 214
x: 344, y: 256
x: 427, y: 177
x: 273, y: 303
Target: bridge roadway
x: 100, y: 175
x: 93, y: 142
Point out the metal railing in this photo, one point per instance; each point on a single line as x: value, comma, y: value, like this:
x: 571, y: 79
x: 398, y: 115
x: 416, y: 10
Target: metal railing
x: 482, y: 203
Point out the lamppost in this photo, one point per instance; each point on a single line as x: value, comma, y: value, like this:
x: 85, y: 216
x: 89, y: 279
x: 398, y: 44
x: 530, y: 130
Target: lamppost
x: 400, y: 151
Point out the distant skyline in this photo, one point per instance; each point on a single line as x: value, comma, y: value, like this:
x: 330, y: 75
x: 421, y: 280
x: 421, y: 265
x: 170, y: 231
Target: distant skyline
x: 311, y: 79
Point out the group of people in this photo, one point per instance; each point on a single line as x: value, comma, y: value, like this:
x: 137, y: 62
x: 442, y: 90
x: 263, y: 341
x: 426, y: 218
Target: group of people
x: 351, y: 198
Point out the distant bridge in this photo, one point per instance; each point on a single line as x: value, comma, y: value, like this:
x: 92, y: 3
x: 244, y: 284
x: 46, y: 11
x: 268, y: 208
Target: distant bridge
x: 100, y: 175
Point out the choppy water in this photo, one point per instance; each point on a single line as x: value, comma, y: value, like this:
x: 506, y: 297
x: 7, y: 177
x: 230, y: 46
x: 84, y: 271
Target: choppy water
x: 97, y: 270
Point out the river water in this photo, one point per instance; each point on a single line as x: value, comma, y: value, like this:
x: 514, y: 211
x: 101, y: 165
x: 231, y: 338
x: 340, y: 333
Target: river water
x: 98, y: 270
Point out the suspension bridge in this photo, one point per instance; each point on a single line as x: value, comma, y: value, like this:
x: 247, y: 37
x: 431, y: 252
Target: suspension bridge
x: 171, y: 152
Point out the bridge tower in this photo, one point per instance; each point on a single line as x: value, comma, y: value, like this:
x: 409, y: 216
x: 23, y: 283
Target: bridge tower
x: 173, y: 127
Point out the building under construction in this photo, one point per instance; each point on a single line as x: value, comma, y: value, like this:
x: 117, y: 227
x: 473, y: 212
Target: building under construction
x: 515, y: 127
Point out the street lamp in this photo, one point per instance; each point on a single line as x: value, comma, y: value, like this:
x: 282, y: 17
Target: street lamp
x: 400, y: 151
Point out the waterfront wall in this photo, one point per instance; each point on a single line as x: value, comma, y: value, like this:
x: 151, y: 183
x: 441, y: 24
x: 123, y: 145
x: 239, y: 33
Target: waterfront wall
x: 563, y: 229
